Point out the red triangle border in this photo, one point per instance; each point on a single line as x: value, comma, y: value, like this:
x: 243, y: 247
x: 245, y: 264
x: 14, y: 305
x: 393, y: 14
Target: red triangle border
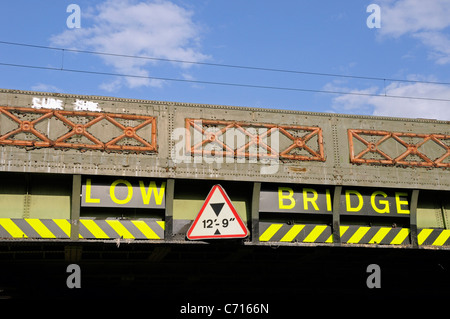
x: 233, y: 210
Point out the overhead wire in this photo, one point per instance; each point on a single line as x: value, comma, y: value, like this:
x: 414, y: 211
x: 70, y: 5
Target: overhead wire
x: 62, y: 68
x: 224, y: 65
x: 222, y: 83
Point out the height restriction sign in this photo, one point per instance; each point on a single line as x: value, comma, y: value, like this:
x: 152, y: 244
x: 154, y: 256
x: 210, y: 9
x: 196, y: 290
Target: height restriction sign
x: 217, y: 218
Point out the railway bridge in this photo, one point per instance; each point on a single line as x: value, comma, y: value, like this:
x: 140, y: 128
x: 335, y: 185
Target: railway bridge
x: 165, y: 200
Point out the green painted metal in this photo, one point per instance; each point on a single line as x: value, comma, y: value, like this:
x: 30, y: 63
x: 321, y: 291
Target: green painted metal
x: 335, y: 169
x: 40, y: 196
x: 38, y: 182
x: 430, y: 212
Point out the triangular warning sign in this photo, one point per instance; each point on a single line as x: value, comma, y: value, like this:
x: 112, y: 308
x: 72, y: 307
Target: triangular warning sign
x: 217, y: 218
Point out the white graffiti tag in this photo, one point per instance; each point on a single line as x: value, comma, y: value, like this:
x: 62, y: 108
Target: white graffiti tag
x: 47, y: 103
x: 81, y: 105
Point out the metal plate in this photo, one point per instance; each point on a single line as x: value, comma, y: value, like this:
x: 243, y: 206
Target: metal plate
x: 313, y: 148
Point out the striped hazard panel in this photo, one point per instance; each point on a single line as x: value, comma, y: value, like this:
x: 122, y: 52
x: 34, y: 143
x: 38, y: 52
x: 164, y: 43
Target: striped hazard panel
x: 295, y: 233
x: 34, y: 228
x: 127, y: 229
x: 375, y: 235
x: 88, y: 228
x: 433, y: 237
x: 323, y: 234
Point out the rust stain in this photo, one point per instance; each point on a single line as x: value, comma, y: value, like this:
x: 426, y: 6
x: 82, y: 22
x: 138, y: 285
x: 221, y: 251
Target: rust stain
x: 297, y: 169
x: 78, y: 130
x: 255, y: 139
x: 411, y: 149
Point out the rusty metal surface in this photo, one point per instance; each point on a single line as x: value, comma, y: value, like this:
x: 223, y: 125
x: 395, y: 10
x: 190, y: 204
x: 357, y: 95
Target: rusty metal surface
x: 425, y: 160
x: 74, y: 128
x: 313, y: 148
x: 258, y: 139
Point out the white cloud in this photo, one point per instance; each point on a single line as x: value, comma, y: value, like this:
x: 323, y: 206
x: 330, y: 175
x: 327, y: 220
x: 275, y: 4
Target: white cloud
x: 157, y: 29
x: 354, y: 103
x: 45, y: 88
x: 110, y: 86
x: 411, y: 16
x: 398, y: 107
x: 427, y: 21
x: 440, y: 44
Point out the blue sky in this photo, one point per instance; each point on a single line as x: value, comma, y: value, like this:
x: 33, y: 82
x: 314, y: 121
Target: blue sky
x: 325, y: 36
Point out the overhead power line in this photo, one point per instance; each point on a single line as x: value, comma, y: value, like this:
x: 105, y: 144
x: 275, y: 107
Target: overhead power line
x: 225, y: 65
x: 221, y: 83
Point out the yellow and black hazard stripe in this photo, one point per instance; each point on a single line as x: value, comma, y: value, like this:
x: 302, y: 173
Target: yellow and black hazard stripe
x: 127, y: 229
x: 433, y: 237
x: 295, y: 233
x: 34, y: 228
x: 375, y: 235
x: 305, y: 233
x: 88, y: 228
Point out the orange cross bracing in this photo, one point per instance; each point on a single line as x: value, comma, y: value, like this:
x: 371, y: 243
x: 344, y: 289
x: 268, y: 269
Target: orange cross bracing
x: 43, y: 140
